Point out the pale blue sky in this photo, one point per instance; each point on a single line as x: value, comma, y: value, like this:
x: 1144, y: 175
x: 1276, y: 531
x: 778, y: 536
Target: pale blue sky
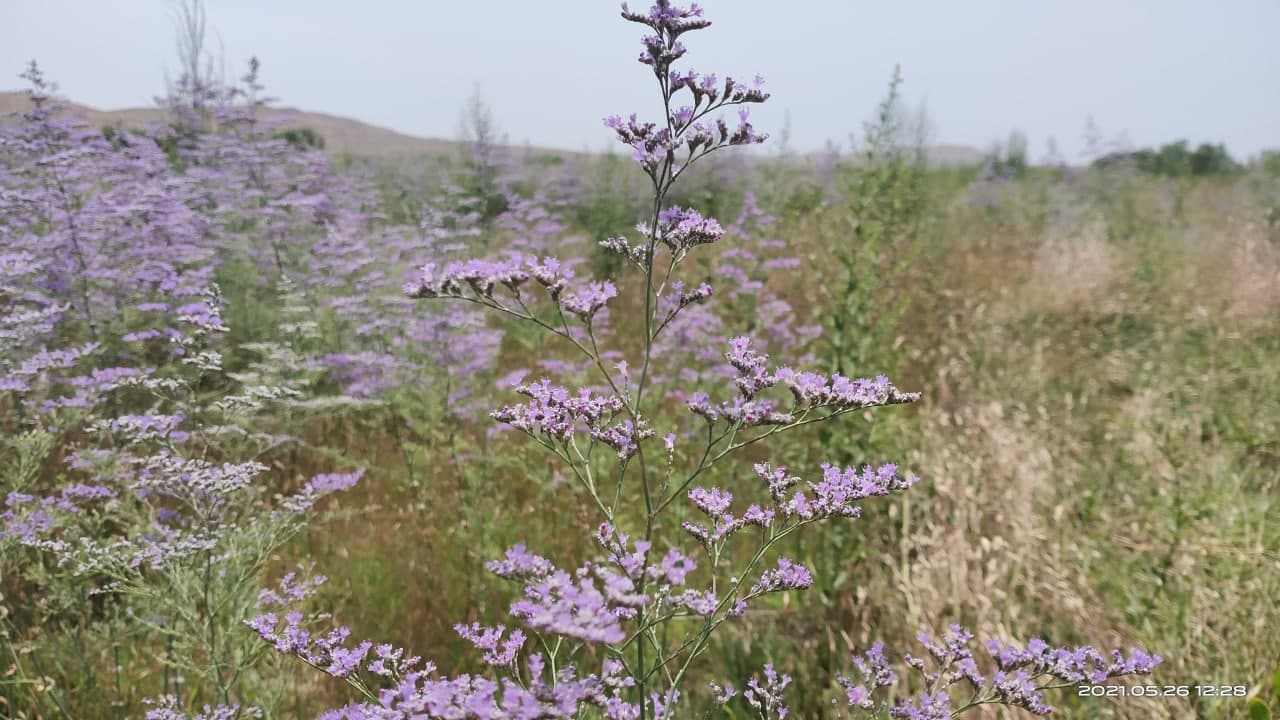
x: 1155, y: 70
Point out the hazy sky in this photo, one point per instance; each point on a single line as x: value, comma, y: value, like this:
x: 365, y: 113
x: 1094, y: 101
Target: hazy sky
x: 1154, y: 70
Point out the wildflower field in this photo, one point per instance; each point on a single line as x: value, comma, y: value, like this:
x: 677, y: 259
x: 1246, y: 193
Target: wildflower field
x: 692, y: 430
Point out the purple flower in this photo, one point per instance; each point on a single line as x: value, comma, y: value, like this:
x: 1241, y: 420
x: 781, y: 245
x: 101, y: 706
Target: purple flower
x: 318, y: 487
x: 519, y: 563
x: 714, y: 502
x: 926, y: 707
x: 587, y: 302
x: 574, y: 608
x: 497, y: 651
x: 556, y: 414
x: 786, y: 576
x: 767, y: 698
x: 876, y: 673
x: 1014, y: 683
x: 290, y: 590
x: 1079, y: 664
x: 682, y: 229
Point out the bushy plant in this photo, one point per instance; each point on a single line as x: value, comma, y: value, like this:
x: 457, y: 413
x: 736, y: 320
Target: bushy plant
x: 136, y: 504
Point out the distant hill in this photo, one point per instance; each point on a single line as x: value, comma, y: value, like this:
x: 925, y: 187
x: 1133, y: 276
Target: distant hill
x: 347, y: 136
x: 952, y: 155
x: 341, y: 135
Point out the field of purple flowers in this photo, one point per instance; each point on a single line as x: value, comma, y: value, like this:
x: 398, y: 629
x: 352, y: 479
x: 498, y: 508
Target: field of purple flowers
x: 517, y: 435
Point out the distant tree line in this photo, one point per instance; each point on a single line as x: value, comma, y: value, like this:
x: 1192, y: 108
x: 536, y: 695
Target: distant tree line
x: 1176, y: 159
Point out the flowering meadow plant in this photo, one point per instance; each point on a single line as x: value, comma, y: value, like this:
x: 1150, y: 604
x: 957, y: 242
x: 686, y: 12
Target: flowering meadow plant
x: 677, y: 555
x: 134, y: 461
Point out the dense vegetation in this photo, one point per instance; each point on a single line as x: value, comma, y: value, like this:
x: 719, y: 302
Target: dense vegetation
x: 225, y: 371
x: 1177, y: 159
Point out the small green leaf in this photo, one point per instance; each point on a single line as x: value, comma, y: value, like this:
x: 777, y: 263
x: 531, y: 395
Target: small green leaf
x: 1258, y: 710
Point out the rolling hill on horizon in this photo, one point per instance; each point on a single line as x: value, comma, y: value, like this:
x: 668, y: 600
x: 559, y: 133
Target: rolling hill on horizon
x: 343, y: 135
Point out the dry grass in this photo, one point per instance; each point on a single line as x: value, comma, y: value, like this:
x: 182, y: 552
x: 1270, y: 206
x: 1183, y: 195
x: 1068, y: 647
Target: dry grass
x: 1080, y: 273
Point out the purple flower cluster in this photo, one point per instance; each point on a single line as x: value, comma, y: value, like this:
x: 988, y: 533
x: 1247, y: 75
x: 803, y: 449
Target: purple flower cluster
x: 926, y: 706
x: 876, y: 673
x: 835, y: 496
x: 715, y: 503
x: 519, y: 564
x: 483, y: 276
x: 656, y: 146
x: 633, y: 560
x: 110, y: 227
x: 1080, y: 664
x: 1019, y: 680
x: 477, y: 280
x: 786, y: 576
x: 497, y: 651
x: 587, y: 301
x: 840, y: 488
x: 413, y: 690
x: 767, y: 698
x: 576, y: 606
x: 419, y: 695
x: 318, y: 487
x: 556, y: 414
x: 810, y: 391
x: 682, y: 229
x: 592, y: 603
x: 112, y: 349
x: 332, y: 652
x: 290, y: 590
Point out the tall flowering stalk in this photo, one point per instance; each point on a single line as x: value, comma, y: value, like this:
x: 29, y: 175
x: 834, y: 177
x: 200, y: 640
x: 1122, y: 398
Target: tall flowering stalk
x: 676, y: 556
x: 651, y: 611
